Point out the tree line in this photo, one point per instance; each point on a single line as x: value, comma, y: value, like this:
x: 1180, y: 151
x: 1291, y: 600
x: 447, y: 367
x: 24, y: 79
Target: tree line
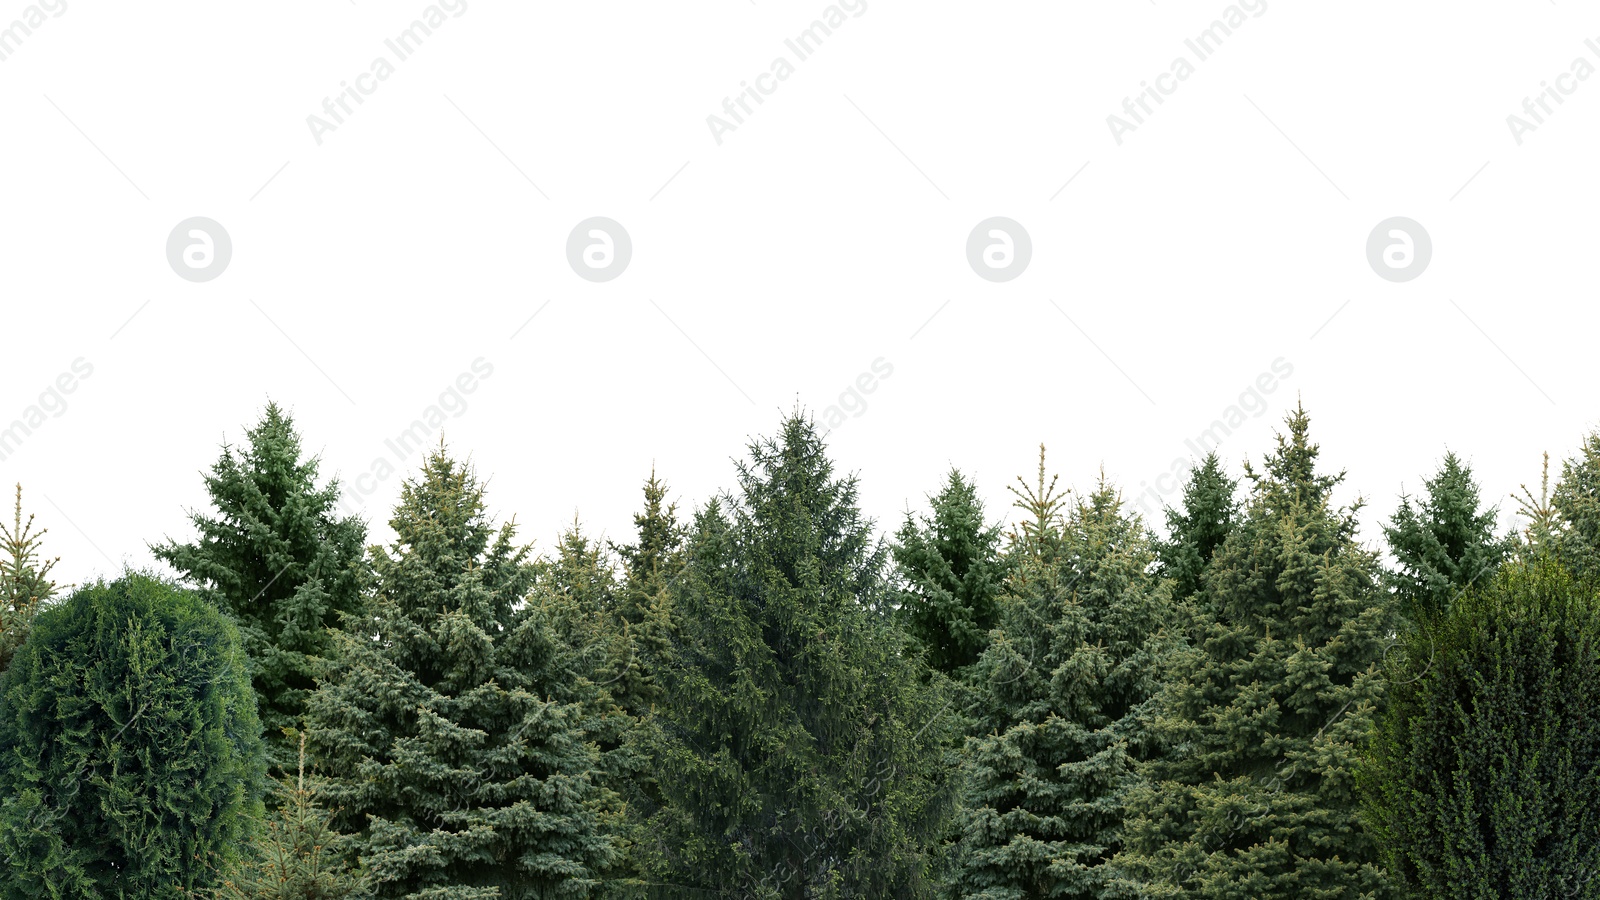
x: 763, y: 697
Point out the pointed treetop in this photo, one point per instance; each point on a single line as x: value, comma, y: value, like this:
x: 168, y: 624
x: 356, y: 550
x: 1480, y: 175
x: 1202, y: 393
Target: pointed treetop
x: 1043, y: 504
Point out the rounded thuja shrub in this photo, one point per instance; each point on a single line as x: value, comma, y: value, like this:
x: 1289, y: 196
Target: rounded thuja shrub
x: 130, y: 752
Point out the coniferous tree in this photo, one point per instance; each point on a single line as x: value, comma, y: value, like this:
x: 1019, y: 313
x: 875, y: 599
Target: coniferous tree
x: 1197, y: 530
x: 1066, y: 692
x: 130, y: 756
x: 952, y: 571
x: 1443, y: 543
x: 445, y: 727
x: 276, y: 558
x: 25, y: 583
x: 1576, y: 499
x: 297, y: 854
x: 794, y: 725
x: 1542, y: 535
x: 1484, y: 782
x: 1266, y: 714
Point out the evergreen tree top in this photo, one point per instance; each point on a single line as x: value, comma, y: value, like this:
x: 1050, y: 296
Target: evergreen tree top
x: 24, y: 573
x: 1044, y: 506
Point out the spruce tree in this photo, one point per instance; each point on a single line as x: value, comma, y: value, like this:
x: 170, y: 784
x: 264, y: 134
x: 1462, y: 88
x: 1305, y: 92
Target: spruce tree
x: 450, y: 750
x: 275, y: 557
x: 1542, y: 535
x: 952, y: 571
x: 297, y: 854
x: 1067, y: 693
x: 1266, y: 714
x: 1197, y: 530
x: 1443, y: 543
x: 130, y: 756
x: 1484, y: 782
x: 1576, y: 499
x: 795, y: 727
x: 25, y: 583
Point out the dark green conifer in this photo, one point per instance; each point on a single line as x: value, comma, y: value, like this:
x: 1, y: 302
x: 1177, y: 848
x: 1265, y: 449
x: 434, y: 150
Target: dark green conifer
x: 1065, y: 709
x: 1267, y: 714
x: 275, y: 556
x: 130, y: 756
x: 453, y: 749
x: 952, y: 573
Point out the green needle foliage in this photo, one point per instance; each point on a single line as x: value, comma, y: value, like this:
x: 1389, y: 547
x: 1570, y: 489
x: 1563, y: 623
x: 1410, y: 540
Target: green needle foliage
x: 952, y: 571
x: 796, y: 730
x: 448, y: 749
x: 25, y: 583
x: 1443, y: 543
x: 1197, y: 530
x: 130, y: 756
x: 1066, y: 695
x: 1576, y: 499
x: 276, y: 558
x: 298, y: 855
x: 1266, y: 715
x: 1485, y: 777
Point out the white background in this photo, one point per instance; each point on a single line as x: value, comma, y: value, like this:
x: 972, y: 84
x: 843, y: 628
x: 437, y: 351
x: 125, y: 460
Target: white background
x: 771, y: 271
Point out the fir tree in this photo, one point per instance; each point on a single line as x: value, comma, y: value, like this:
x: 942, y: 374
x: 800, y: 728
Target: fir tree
x: 1485, y: 775
x: 952, y: 571
x: 130, y: 756
x: 449, y: 749
x: 1576, y: 499
x: 1197, y: 530
x: 277, y: 558
x: 298, y: 855
x: 1067, y: 691
x: 794, y: 727
x: 1443, y: 543
x: 1266, y: 715
x: 25, y: 583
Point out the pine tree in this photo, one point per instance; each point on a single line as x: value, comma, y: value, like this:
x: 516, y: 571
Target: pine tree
x: 450, y: 750
x: 1265, y: 716
x: 25, y: 583
x: 298, y: 855
x: 794, y: 730
x: 130, y: 756
x: 1197, y: 530
x: 1444, y: 543
x: 1067, y: 693
x: 1576, y: 499
x: 952, y: 571
x: 1484, y: 782
x: 277, y: 558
